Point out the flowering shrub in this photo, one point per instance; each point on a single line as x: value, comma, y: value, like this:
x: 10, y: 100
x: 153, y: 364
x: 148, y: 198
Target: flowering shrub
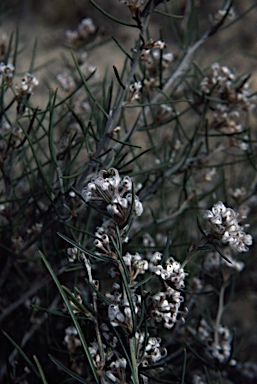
x: 123, y: 207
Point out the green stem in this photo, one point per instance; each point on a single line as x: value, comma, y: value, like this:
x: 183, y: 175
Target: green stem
x: 133, y: 353
x: 219, y: 313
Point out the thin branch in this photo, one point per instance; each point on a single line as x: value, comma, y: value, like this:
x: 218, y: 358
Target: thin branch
x: 174, y: 78
x: 219, y: 313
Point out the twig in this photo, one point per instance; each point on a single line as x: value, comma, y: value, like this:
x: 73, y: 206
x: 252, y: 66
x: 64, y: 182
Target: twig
x: 219, y: 313
x: 86, y: 263
x: 182, y: 67
x: 113, y: 118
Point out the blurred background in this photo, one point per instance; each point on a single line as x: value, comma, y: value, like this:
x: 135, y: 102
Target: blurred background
x: 47, y: 21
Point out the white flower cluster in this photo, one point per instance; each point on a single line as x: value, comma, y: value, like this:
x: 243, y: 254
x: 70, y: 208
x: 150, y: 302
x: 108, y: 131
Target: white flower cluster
x: 72, y: 254
x: 228, y: 120
x: 117, y: 370
x: 172, y: 270
x: 222, y: 349
x: 249, y: 370
x: 219, y: 349
x: 136, y: 265
x: 153, y: 351
x: 151, y: 57
x: 85, y: 30
x: 119, y: 312
x: 113, y: 194
x: 221, y: 78
x: 69, y: 78
x: 151, y: 60
x: 67, y: 81
x: 6, y: 72
x: 165, y: 113
x: 230, y: 15
x: 225, y: 227
x: 165, y: 306
x: 134, y: 92
x: 213, y: 263
x: 71, y: 339
x: 149, y: 352
x: 115, y: 366
x: 148, y: 347
x: 153, y: 44
x: 166, y: 303
x: 233, y: 97
x: 28, y: 82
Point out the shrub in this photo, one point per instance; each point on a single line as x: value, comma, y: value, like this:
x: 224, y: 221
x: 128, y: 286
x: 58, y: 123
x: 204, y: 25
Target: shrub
x: 123, y: 208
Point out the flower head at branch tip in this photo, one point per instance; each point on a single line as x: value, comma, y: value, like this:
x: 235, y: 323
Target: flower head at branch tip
x: 72, y: 254
x: 85, y: 30
x: 134, y: 92
x: 225, y: 227
x: 115, y: 195
x: 6, y: 72
x: 135, y: 6
x: 28, y: 82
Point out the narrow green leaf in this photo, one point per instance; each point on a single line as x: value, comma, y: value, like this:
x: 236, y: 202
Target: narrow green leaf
x: 51, y: 129
x: 73, y: 316
x: 143, y: 281
x: 82, y: 249
x: 122, y: 49
x: 41, y: 372
x: 76, y: 174
x: 22, y: 353
x: 68, y: 371
x: 16, y: 46
x: 76, y: 302
x: 33, y: 57
x: 50, y: 311
x: 125, y: 143
x: 110, y: 16
x: 124, y: 348
x: 29, y: 128
x: 99, y: 294
x: 39, y: 166
x: 90, y: 93
x: 168, y: 14
x: 9, y: 48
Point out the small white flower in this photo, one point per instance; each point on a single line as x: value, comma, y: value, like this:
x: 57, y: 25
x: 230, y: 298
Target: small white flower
x: 6, y: 72
x: 226, y: 227
x: 248, y: 240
